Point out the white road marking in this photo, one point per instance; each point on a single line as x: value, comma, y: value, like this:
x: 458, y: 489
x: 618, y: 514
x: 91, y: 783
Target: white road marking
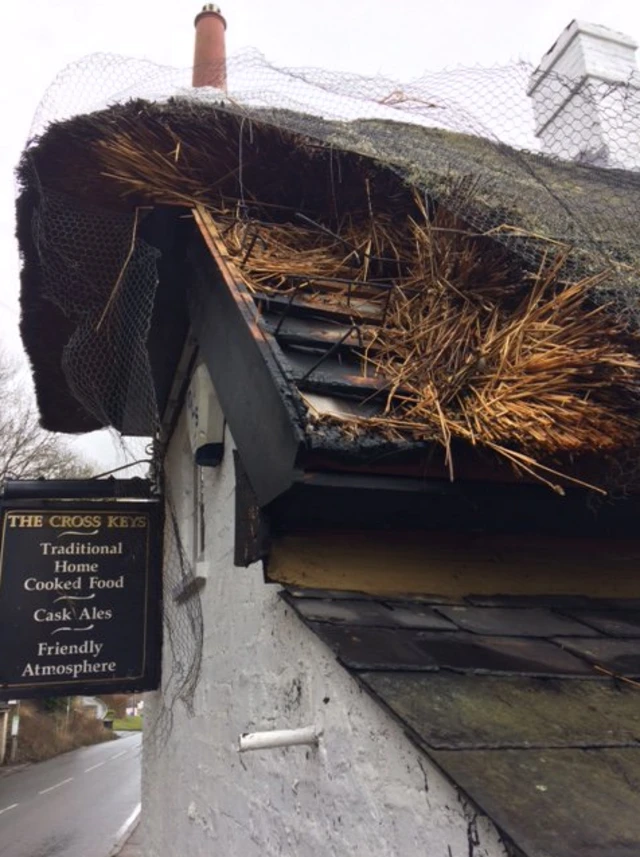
x: 57, y: 786
x: 7, y: 808
x: 110, y: 759
x: 124, y: 829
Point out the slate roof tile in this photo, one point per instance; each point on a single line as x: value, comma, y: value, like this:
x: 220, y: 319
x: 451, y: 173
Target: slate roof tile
x: 516, y: 622
x: 558, y: 803
x: 510, y: 655
x: 362, y: 647
x: 374, y: 613
x: 556, y: 602
x: 621, y: 657
x: 615, y: 623
x: 512, y: 707
x: 453, y: 711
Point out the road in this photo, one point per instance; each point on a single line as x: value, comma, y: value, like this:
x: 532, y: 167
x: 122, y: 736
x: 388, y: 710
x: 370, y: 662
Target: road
x: 72, y: 806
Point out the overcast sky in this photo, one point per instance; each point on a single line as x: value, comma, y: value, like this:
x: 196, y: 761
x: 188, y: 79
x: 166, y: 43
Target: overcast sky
x: 400, y: 39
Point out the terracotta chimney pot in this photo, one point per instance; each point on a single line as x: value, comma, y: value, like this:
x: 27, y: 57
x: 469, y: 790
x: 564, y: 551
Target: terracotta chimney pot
x: 209, y: 61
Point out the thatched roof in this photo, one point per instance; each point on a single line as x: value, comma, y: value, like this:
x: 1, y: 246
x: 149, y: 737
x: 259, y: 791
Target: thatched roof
x: 88, y: 182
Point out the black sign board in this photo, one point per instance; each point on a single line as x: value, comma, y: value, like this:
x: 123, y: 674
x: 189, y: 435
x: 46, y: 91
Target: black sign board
x: 79, y: 594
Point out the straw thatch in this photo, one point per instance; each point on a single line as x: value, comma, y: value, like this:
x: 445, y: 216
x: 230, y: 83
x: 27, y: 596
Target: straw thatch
x: 470, y: 346
x: 498, y: 286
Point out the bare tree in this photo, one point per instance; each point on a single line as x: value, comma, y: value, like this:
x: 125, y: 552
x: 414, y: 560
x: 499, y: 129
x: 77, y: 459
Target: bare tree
x: 27, y: 451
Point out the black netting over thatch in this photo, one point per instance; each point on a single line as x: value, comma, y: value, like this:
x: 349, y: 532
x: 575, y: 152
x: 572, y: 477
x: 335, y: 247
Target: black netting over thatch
x: 508, y: 277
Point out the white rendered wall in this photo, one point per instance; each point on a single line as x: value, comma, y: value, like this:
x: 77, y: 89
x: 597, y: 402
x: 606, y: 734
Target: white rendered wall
x: 586, y: 97
x: 598, y: 126
x: 365, y: 792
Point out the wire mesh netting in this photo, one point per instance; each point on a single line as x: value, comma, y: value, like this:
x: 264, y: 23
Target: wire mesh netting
x: 542, y: 166
x: 478, y: 124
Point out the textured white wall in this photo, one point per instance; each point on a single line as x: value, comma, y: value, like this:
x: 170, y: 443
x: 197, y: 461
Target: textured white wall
x: 365, y: 791
x: 579, y: 114
x: 585, y: 49
x: 598, y: 125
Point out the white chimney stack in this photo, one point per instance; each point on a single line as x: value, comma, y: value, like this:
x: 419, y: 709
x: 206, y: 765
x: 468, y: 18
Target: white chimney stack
x: 582, y: 90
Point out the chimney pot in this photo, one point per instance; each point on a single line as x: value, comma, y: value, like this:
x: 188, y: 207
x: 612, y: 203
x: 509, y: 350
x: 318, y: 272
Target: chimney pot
x: 209, y: 62
x: 209, y: 8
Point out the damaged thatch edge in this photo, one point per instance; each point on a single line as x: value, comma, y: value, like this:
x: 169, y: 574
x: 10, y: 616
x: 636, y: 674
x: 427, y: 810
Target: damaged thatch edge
x: 431, y: 159
x: 443, y: 164
x: 452, y: 398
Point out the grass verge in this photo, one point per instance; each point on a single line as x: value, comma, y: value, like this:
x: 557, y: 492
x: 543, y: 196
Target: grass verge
x: 127, y: 724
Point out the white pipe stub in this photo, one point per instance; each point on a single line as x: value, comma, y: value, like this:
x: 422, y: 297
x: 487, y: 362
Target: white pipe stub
x: 308, y: 735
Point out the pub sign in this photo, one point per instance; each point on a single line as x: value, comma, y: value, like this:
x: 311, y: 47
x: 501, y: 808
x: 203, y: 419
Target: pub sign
x: 79, y: 588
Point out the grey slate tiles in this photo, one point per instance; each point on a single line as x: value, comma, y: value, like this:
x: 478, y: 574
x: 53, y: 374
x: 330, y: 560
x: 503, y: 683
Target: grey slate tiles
x: 621, y: 657
x: 363, y: 648
x: 547, y: 636
x: 563, y: 803
x: 379, y: 614
x: 531, y: 705
x: 615, y: 623
x: 449, y: 712
x: 515, y: 622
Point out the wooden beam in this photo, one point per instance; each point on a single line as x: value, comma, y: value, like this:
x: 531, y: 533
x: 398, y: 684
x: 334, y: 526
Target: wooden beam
x: 259, y: 399
x: 364, y: 312
x: 456, y: 565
